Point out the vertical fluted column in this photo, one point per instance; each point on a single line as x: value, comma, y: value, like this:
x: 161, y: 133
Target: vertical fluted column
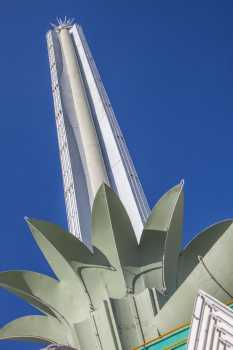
x: 93, y: 160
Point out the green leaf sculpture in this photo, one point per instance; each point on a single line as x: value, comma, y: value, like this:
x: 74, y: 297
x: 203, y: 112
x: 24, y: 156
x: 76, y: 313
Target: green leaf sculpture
x: 120, y: 293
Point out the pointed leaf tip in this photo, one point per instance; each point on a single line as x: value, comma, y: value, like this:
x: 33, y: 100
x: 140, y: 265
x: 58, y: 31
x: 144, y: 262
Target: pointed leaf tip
x: 29, y: 285
x: 35, y: 328
x: 113, y: 235
x: 163, y: 211
x: 104, y: 188
x: 167, y: 217
x: 58, y: 249
x: 200, y: 245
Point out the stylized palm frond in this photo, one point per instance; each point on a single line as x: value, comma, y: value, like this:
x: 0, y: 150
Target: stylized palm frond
x: 120, y: 292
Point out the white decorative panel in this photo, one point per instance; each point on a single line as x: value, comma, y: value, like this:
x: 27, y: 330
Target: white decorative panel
x: 212, y: 325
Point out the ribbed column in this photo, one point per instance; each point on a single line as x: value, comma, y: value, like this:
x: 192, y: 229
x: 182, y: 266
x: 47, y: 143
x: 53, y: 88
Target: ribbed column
x: 94, y: 164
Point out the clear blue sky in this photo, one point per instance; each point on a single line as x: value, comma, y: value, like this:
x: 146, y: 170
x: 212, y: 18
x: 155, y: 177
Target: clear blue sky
x: 168, y: 68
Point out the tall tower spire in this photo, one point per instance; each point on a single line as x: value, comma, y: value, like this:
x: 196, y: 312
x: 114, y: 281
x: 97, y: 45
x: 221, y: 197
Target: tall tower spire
x: 91, y: 145
x: 91, y: 154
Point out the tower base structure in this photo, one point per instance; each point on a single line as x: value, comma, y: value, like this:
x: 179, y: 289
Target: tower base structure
x: 121, y: 294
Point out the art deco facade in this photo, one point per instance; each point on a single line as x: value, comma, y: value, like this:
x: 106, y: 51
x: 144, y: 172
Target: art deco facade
x: 92, y: 147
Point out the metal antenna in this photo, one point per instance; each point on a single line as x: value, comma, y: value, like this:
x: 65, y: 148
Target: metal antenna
x: 65, y: 23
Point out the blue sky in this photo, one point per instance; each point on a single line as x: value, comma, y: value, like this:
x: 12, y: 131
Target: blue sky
x: 168, y: 68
